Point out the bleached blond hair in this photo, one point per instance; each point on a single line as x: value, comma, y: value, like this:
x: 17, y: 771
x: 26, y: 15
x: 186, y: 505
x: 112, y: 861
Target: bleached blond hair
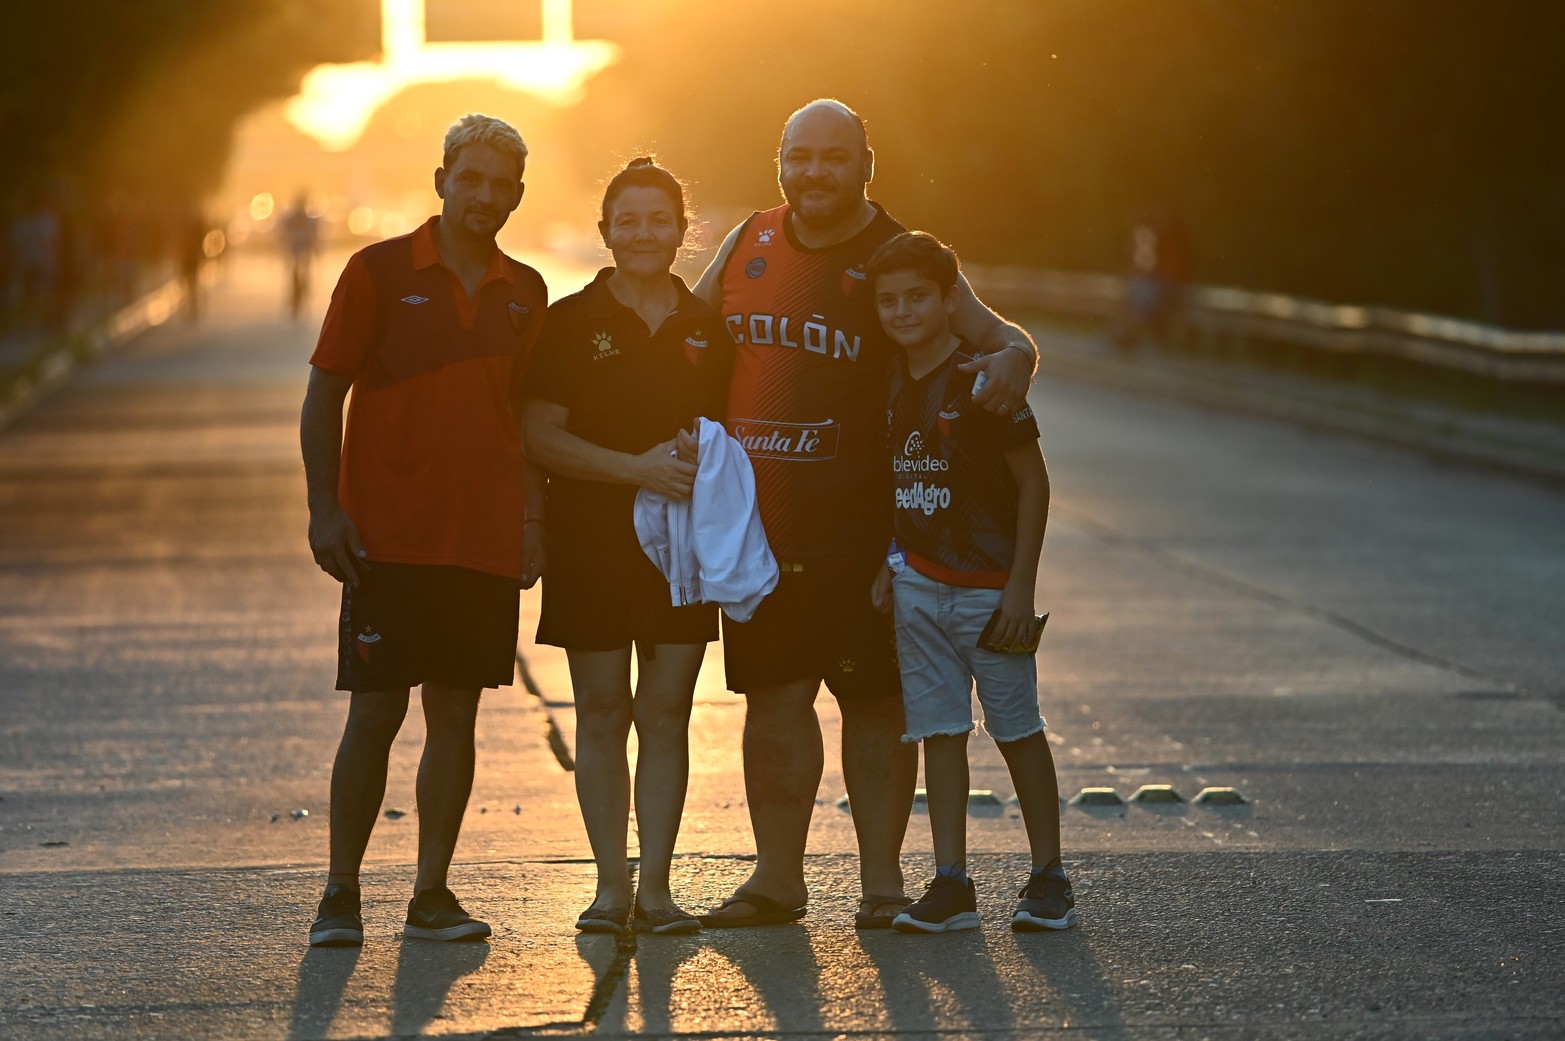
x: 476, y: 129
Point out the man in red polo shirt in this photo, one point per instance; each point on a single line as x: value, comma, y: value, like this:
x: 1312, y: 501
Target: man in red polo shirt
x: 424, y: 508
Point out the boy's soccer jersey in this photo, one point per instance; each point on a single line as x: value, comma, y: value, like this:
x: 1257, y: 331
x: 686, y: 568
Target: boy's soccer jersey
x: 956, y: 500
x: 808, y: 384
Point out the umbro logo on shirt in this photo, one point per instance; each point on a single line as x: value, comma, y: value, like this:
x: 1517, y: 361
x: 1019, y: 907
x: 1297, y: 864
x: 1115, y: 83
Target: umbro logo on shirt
x: 415, y: 299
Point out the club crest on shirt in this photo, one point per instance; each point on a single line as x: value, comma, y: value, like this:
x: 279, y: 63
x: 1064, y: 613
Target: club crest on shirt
x: 520, y: 315
x: 605, y: 347
x: 945, y: 417
x: 852, y: 278
x: 755, y: 268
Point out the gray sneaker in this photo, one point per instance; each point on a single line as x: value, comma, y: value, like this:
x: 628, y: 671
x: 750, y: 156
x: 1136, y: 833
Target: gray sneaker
x: 947, y: 905
x: 338, y: 921
x: 435, y: 914
x: 1046, y: 903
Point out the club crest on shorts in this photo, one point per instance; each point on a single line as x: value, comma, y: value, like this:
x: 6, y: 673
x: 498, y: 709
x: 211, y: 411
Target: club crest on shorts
x: 364, y: 643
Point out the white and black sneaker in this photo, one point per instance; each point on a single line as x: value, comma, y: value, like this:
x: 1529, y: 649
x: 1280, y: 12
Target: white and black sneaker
x: 339, y: 921
x: 947, y: 905
x: 435, y: 914
x: 1046, y: 903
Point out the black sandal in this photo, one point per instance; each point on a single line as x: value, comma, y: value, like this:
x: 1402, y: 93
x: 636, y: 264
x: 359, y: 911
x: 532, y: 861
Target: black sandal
x: 767, y: 912
x: 868, y: 918
x: 665, y: 921
x: 603, y: 920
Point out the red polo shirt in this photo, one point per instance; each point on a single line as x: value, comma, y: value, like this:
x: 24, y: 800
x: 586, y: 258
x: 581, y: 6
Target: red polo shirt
x: 432, y: 453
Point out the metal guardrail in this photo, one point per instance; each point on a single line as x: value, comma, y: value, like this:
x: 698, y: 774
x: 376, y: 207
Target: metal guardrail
x: 1218, y: 313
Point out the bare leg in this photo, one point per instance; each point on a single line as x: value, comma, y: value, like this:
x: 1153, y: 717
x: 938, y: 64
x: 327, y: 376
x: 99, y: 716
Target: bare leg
x: 358, y: 778
x: 1037, y: 792
x: 664, y: 686
x: 445, y: 779
x: 601, y: 683
x: 881, y: 772
x: 783, y: 760
x: 946, y: 780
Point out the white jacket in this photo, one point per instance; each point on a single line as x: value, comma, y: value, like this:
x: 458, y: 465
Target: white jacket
x: 712, y: 549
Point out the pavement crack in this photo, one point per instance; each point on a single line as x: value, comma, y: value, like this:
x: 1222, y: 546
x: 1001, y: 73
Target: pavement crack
x: 552, y: 732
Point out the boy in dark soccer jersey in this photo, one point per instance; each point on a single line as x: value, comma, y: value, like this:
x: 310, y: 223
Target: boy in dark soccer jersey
x: 972, y: 499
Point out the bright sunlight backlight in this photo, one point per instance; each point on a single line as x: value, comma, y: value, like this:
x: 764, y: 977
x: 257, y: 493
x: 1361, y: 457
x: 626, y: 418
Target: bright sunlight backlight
x: 335, y: 102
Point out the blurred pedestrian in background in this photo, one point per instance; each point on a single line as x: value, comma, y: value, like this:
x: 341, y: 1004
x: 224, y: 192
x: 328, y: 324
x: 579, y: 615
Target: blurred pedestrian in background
x: 300, y: 234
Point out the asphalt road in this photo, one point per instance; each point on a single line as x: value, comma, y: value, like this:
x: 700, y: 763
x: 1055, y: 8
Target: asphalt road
x: 1366, y: 643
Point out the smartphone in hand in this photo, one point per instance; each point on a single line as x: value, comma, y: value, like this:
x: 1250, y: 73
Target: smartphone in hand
x: 986, y: 638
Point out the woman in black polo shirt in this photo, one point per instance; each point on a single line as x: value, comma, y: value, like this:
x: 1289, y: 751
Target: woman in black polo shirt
x: 619, y: 369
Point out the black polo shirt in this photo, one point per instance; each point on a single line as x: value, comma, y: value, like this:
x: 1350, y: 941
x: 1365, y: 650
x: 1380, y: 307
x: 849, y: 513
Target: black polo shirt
x: 626, y: 389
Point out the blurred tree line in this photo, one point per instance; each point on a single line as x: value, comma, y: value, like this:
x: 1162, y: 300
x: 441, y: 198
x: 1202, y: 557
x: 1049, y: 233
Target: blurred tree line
x: 1388, y: 152
x: 119, y: 119
x: 1370, y: 151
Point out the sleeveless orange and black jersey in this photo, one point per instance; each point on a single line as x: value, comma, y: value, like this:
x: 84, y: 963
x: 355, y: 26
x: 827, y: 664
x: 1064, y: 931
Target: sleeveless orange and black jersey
x: 808, y: 400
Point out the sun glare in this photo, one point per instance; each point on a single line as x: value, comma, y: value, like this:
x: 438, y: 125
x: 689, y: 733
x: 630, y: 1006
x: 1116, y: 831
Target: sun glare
x: 335, y: 102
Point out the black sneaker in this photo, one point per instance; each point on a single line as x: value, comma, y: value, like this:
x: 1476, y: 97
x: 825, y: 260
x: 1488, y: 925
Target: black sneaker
x: 1046, y: 903
x: 946, y: 905
x: 435, y: 914
x: 338, y: 922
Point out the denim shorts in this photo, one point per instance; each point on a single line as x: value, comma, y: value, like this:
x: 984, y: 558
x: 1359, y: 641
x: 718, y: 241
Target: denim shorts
x: 937, y: 646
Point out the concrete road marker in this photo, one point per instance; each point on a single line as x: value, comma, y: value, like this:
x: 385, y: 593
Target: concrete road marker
x: 1157, y: 793
x: 1098, y: 797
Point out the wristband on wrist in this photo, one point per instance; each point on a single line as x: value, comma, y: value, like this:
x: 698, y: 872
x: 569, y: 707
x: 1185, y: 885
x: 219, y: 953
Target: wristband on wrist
x: 1024, y: 351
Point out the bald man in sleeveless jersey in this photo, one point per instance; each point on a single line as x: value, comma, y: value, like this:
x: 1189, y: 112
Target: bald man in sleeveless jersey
x: 808, y: 402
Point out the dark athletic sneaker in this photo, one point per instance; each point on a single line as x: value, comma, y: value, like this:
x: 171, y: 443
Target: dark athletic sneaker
x: 338, y: 922
x: 435, y: 914
x: 1046, y: 903
x: 947, y: 905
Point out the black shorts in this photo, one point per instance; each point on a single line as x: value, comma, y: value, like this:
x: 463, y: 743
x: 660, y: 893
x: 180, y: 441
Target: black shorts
x: 603, y: 594
x: 409, y: 624
x: 817, y: 624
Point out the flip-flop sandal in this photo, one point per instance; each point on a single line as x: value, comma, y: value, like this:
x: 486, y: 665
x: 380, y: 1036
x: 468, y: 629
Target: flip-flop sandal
x: 603, y: 920
x: 665, y: 921
x: 867, y: 916
x: 767, y: 912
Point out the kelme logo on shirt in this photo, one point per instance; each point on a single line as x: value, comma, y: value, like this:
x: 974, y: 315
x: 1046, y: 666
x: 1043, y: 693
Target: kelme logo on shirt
x: 605, y: 347
x: 415, y: 299
x: 764, y: 238
x: 795, y: 442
